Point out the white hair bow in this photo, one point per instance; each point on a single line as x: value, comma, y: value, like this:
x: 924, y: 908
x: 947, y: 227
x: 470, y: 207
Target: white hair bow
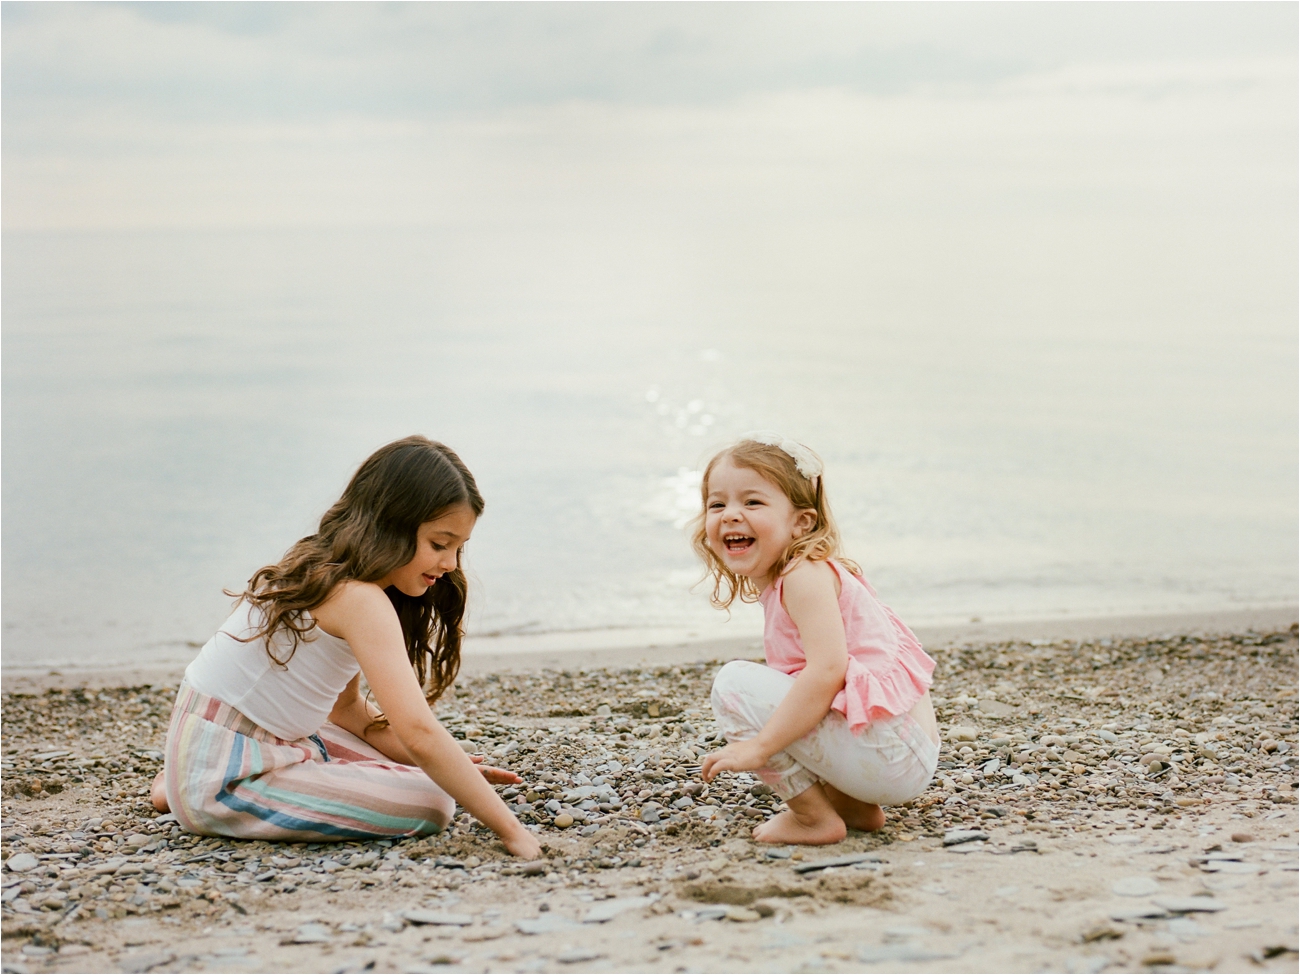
x: 805, y: 461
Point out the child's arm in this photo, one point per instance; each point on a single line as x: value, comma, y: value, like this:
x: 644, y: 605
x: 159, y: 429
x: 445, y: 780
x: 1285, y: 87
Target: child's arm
x: 361, y: 614
x: 813, y: 603
x: 353, y: 713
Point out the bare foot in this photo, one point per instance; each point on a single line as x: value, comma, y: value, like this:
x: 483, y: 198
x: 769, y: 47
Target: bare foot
x: 810, y: 821
x: 866, y: 816
x: 158, y: 794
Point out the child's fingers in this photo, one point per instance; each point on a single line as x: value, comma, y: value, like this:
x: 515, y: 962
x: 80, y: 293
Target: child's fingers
x: 499, y: 776
x: 711, y: 766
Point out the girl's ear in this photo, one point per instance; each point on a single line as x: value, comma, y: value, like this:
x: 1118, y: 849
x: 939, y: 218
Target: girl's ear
x: 805, y: 521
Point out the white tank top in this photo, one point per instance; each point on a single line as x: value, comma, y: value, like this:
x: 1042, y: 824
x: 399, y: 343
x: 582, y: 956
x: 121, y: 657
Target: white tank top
x: 290, y: 701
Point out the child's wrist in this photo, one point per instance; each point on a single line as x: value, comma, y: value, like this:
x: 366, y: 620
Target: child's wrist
x: 765, y: 751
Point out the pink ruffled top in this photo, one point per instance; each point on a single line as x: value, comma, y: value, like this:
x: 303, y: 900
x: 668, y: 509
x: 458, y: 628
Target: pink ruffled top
x: 888, y: 671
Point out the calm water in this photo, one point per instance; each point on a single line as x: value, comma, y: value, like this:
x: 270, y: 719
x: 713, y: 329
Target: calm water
x: 180, y: 407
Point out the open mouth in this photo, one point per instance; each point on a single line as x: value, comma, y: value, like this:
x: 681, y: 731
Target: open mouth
x: 737, y: 544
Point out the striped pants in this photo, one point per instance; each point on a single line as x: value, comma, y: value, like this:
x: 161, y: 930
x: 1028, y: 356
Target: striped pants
x: 226, y: 776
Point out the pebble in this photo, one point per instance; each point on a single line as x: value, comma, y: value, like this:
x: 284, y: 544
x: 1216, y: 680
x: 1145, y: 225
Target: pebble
x: 742, y: 914
x: 309, y: 934
x: 1135, y: 887
x: 1078, y: 750
x: 1184, y: 905
x: 484, y: 934
x: 22, y: 862
x: 550, y: 924
x: 609, y: 909
x: 842, y: 861
x: 955, y: 837
x: 136, y: 964
x: 437, y: 918
x: 576, y: 955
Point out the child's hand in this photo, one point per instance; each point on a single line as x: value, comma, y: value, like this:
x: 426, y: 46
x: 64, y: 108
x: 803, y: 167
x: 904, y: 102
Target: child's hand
x: 739, y: 756
x: 497, y: 776
x: 523, y: 844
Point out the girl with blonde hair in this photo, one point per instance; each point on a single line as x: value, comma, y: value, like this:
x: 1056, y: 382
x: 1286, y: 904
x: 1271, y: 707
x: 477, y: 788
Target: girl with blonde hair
x: 839, y: 722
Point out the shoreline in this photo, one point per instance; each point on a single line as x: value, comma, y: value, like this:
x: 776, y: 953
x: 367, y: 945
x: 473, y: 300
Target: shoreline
x: 669, y: 653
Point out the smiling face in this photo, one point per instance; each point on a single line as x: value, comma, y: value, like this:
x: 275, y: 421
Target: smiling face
x: 437, y: 550
x: 749, y: 522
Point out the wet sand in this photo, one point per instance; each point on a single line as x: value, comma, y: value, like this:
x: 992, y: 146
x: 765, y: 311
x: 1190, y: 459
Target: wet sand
x: 1103, y: 803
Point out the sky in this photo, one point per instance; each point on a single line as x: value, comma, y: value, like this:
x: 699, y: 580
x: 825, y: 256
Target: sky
x: 122, y: 116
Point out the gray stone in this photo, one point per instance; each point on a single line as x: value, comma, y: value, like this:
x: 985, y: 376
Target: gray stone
x: 1229, y: 866
x: 879, y: 954
x: 1135, y: 887
x: 904, y: 933
x: 1185, y: 929
x: 22, y: 862
x: 438, y: 917
x: 649, y: 815
x: 144, y: 962
x: 955, y: 837
x: 844, y: 861
x: 1086, y: 964
x: 608, y: 910
x: 575, y: 955
x: 1131, y: 914
x: 1185, y: 905
x: 710, y: 912
x: 550, y: 924
x: 310, y: 934
x: 1217, y: 882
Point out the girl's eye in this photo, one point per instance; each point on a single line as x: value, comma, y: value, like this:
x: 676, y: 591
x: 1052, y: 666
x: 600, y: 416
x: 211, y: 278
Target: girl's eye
x: 437, y: 547
x: 717, y: 504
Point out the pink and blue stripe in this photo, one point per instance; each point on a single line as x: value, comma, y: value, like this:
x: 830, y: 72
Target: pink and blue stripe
x: 226, y: 776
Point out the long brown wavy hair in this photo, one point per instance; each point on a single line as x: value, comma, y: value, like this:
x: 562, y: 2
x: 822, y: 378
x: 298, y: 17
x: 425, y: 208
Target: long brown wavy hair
x: 775, y: 465
x: 369, y: 532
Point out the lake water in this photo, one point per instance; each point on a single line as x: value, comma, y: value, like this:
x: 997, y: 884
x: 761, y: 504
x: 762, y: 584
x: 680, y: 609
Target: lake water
x: 179, y: 407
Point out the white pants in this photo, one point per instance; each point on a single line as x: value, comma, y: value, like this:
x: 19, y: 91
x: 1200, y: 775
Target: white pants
x: 887, y: 762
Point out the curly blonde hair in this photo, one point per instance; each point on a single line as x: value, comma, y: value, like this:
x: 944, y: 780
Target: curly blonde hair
x: 806, y: 493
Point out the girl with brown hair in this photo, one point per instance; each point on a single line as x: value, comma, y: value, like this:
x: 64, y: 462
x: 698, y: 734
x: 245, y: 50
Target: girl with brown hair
x: 271, y: 737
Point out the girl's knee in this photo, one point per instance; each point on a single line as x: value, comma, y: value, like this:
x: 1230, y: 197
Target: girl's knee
x: 734, y: 678
x: 442, y: 811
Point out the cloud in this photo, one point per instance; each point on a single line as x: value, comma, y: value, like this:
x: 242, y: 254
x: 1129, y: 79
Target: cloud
x: 308, y: 60
x: 230, y: 114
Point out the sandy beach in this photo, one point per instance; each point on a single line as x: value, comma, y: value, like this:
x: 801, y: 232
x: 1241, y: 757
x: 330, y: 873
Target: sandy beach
x: 1113, y: 795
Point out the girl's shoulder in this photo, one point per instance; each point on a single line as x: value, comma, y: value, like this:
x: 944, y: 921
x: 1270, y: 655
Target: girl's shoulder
x: 351, y: 601
x: 808, y: 576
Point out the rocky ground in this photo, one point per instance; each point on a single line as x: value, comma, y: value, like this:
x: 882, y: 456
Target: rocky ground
x: 1109, y: 805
